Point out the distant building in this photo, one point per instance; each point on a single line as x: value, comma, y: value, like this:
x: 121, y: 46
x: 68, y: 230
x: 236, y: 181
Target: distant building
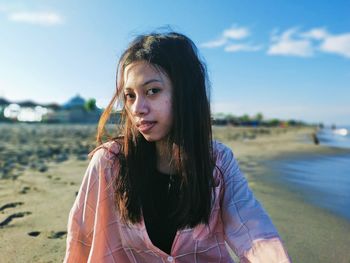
x: 76, y: 102
x: 26, y: 111
x: 75, y: 110
x: 3, y: 104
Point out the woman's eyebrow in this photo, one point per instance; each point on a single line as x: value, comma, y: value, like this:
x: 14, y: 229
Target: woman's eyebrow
x: 150, y: 81
x: 146, y: 83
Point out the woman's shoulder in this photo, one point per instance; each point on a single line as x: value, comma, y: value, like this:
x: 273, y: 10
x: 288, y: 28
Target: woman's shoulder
x: 222, y: 152
x: 107, y: 152
x: 224, y: 158
x: 226, y: 162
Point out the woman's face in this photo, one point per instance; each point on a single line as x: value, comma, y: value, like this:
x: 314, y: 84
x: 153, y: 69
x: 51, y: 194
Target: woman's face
x: 148, y: 94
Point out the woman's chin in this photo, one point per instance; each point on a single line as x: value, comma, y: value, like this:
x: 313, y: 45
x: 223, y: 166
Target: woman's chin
x: 153, y: 138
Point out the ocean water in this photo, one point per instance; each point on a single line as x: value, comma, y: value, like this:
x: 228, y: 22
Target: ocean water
x: 339, y: 137
x: 323, y: 180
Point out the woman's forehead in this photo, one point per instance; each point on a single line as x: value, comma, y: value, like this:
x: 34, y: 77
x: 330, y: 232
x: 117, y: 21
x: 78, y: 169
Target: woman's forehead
x: 141, y: 72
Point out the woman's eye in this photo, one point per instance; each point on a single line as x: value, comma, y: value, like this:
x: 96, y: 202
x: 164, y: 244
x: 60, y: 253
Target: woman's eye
x: 129, y: 96
x: 153, y: 91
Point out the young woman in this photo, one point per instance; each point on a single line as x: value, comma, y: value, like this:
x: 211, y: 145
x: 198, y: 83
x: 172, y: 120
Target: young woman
x: 163, y: 191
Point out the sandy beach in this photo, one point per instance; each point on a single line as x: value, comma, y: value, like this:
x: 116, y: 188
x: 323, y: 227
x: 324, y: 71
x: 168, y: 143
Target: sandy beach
x: 41, y: 167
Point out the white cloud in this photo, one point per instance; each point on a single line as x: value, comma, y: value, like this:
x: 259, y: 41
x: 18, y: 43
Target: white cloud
x: 241, y: 47
x: 305, y: 44
x: 337, y: 44
x: 230, y: 40
x: 316, y: 33
x: 38, y: 18
x: 236, y: 32
x: 215, y: 43
x: 289, y: 43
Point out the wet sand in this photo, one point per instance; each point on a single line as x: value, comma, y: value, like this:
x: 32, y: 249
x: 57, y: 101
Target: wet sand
x: 41, y: 168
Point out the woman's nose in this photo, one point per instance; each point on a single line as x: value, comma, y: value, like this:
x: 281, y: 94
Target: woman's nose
x: 140, y: 106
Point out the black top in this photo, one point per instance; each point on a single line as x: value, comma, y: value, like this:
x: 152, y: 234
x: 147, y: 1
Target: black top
x: 159, y: 203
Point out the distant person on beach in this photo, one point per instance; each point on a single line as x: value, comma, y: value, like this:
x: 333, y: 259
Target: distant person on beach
x: 162, y: 190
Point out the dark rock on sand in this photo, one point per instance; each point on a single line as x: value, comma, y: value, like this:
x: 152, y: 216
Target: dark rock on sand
x: 34, y: 145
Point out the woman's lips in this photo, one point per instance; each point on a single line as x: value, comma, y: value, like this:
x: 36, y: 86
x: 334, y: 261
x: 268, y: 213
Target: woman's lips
x: 146, y: 126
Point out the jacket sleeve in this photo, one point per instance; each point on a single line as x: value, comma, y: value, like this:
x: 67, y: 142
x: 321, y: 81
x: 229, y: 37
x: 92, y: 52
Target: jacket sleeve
x: 93, y: 224
x: 248, y: 229
x: 82, y: 215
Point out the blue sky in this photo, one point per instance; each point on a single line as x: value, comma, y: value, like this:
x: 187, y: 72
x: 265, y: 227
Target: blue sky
x: 284, y: 58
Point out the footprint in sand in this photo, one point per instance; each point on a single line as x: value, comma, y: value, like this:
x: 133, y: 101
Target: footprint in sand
x: 53, y: 235
x: 11, y: 217
x: 24, y: 190
x: 58, y: 234
x: 34, y: 233
x: 57, y: 180
x: 10, y: 205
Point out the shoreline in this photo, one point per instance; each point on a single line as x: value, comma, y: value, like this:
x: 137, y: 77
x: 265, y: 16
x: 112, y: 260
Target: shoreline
x: 309, y: 232
x: 321, y: 178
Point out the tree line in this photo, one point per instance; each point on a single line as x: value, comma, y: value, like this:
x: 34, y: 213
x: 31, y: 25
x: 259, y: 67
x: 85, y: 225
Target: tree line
x: 254, y: 121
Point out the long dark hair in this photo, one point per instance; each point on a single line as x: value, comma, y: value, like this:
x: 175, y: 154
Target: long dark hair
x: 190, y: 138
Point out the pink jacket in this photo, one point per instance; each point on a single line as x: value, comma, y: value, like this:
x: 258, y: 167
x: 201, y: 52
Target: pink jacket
x: 96, y: 233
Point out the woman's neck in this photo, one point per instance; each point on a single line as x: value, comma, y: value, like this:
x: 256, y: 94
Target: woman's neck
x: 164, y: 158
